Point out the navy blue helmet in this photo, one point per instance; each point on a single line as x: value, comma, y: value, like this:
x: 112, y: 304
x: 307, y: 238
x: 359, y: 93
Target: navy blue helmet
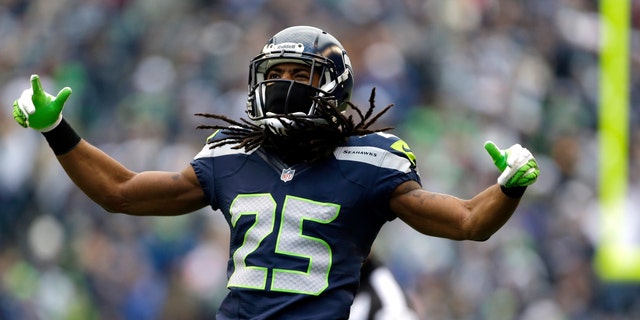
x: 305, y: 45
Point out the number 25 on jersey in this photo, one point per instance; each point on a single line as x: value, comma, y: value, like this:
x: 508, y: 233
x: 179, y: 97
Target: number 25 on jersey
x: 290, y: 241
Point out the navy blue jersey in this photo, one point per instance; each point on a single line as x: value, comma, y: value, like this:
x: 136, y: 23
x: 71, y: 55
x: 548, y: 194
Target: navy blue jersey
x: 300, y: 234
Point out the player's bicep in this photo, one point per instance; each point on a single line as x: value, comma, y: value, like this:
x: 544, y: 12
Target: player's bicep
x: 430, y: 213
x: 162, y: 193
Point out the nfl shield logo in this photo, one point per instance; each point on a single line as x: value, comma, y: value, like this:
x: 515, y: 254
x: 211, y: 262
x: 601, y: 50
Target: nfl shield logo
x: 287, y: 174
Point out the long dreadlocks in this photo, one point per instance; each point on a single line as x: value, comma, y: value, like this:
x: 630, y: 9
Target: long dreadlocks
x: 307, y: 139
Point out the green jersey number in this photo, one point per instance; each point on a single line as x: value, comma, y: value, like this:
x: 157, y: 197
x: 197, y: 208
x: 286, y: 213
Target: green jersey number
x: 290, y: 241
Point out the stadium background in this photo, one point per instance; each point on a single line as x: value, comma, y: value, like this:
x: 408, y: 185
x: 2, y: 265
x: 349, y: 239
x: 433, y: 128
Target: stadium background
x: 458, y: 72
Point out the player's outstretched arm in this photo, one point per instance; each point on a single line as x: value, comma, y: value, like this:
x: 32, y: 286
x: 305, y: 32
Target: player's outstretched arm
x: 478, y: 218
x: 117, y: 189
x: 99, y: 176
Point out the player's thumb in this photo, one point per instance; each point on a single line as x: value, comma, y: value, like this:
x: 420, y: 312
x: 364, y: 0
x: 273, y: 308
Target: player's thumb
x: 59, y: 101
x: 496, y: 154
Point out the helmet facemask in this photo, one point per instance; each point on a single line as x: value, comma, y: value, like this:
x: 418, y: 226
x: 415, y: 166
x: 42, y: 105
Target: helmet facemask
x: 268, y: 98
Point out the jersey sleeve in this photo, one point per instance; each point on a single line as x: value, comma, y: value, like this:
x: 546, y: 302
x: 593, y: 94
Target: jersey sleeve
x: 213, y: 165
x: 399, y: 166
x: 381, y: 162
x: 203, y: 165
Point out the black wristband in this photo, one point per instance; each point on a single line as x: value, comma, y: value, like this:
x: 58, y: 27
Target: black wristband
x: 513, y: 192
x: 62, y: 138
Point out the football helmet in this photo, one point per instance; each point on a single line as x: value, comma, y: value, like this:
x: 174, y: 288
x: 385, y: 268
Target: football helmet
x: 306, y: 45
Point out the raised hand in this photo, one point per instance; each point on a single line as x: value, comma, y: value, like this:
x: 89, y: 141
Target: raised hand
x: 37, y: 109
x: 518, y: 166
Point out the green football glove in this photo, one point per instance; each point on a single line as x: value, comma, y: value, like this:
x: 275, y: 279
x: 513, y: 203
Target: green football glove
x: 518, y: 166
x: 39, y: 110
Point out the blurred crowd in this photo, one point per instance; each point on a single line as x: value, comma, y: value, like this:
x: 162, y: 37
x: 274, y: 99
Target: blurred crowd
x: 457, y: 72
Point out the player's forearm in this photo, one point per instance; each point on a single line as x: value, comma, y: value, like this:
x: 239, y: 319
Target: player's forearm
x: 117, y: 189
x: 99, y: 176
x: 489, y: 211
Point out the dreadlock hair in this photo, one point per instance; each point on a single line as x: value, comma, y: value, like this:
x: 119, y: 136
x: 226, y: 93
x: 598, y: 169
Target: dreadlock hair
x: 307, y: 139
